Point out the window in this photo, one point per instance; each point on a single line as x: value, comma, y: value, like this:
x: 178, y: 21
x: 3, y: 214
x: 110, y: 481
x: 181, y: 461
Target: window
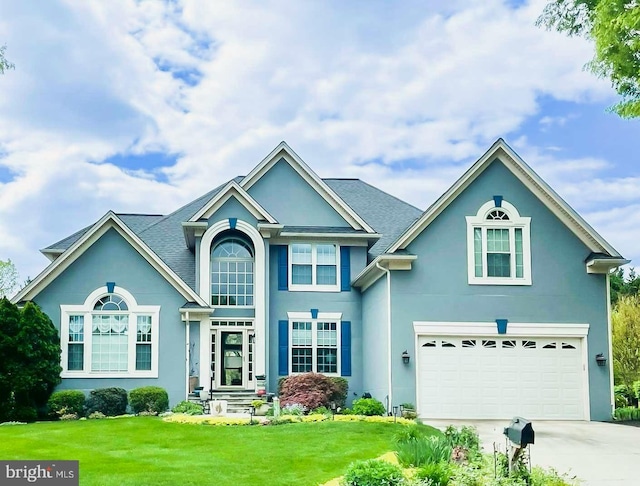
x: 232, y: 273
x: 498, y: 246
x: 314, y: 266
x: 109, y: 336
x: 314, y: 343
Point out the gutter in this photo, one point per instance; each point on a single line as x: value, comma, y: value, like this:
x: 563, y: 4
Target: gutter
x: 389, y: 389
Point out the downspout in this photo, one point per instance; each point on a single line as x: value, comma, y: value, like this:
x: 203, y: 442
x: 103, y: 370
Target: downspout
x: 390, y: 389
x: 610, y: 339
x: 188, y: 352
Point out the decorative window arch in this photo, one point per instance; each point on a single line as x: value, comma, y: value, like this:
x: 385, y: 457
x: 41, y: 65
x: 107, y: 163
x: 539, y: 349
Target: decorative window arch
x: 498, y: 245
x: 232, y: 272
x: 109, y: 336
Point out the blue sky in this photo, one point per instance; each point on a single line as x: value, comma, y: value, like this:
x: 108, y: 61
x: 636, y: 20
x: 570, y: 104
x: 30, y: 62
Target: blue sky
x: 141, y: 106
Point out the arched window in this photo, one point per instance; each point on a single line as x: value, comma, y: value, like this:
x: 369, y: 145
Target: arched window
x: 110, y: 335
x: 232, y: 273
x: 498, y: 246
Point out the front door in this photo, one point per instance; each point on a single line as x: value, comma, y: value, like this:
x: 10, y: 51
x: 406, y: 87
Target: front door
x: 232, y: 359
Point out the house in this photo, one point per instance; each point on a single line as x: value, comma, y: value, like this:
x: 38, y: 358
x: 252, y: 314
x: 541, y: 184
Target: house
x: 491, y: 303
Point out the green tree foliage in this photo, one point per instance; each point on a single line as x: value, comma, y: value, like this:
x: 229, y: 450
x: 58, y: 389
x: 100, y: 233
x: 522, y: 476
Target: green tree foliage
x: 4, y: 64
x: 625, y: 325
x: 623, y: 285
x: 613, y: 25
x: 8, y: 278
x: 30, y: 360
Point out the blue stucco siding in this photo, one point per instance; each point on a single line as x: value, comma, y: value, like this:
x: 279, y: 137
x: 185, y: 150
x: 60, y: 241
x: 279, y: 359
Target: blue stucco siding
x: 289, y: 199
x: 281, y: 302
x: 112, y: 259
x: 233, y: 208
x: 374, y: 341
x: 437, y: 289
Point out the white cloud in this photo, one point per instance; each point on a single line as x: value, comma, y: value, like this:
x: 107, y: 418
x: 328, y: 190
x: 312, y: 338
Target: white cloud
x: 355, y: 91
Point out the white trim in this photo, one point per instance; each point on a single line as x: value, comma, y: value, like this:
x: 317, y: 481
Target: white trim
x: 330, y: 317
x: 514, y: 329
x: 514, y: 221
x: 86, y: 310
x: 371, y: 273
x: 285, y: 152
x: 530, y: 179
x: 108, y: 221
x: 313, y: 287
x: 259, y: 279
x: 440, y: 328
x: 242, y: 196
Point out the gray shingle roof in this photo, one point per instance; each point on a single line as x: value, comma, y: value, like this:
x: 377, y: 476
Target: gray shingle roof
x: 385, y: 213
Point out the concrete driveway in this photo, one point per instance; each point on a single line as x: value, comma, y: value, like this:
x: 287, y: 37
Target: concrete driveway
x: 599, y: 454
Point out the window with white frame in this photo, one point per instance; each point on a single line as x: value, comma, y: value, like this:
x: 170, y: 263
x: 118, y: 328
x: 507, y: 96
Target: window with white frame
x: 314, y: 266
x: 109, y: 336
x: 232, y: 273
x: 498, y: 245
x: 314, y: 343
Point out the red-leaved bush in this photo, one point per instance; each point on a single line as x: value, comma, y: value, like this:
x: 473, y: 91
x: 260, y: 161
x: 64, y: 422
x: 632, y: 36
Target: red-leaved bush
x: 311, y: 390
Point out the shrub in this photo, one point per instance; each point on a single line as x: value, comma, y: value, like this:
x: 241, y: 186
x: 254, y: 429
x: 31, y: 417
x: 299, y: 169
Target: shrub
x: 311, y: 390
x: 368, y: 406
x: 66, y: 402
x: 625, y: 414
x: 23, y: 413
x: 96, y: 415
x: 465, y: 441
x: 373, y: 472
x: 342, y: 390
x: 413, y: 431
x: 108, y: 401
x: 436, y: 473
x: 149, y: 399
x: 321, y: 411
x: 423, y: 450
x: 188, y: 408
x: 293, y: 409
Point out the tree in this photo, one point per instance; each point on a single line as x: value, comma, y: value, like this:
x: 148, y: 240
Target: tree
x: 29, y: 360
x: 625, y: 326
x: 613, y: 25
x: 8, y: 278
x: 621, y: 285
x: 4, y: 64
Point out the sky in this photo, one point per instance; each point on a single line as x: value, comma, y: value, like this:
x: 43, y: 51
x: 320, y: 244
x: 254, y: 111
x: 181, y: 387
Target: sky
x: 142, y: 106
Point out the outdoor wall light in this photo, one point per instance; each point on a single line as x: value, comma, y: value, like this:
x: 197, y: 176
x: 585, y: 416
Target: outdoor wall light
x: 405, y: 357
x: 600, y: 359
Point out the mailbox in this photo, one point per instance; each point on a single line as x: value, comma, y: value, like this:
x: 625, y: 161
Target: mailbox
x: 520, y: 432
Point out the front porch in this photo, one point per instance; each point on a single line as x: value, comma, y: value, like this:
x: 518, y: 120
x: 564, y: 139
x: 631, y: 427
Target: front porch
x: 238, y: 402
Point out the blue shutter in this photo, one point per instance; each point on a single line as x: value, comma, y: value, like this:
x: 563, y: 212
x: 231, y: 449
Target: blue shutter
x: 345, y: 348
x: 283, y: 267
x: 345, y: 269
x: 283, y: 347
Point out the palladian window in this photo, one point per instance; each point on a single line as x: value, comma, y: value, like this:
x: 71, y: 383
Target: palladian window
x: 232, y: 273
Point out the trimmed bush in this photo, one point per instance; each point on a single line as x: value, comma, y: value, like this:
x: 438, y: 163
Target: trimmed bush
x: 152, y: 399
x: 368, y: 406
x: 437, y: 473
x: 65, y: 402
x: 107, y: 401
x: 373, y: 472
x: 311, y: 390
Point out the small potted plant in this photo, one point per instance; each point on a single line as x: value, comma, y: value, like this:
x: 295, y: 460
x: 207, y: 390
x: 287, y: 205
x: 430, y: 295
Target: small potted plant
x: 261, y: 407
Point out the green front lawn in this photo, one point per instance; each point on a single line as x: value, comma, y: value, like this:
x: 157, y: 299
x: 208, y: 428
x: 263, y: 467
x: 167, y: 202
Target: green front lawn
x: 148, y: 451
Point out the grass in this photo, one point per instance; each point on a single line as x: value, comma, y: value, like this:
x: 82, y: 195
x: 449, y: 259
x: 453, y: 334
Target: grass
x: 145, y: 450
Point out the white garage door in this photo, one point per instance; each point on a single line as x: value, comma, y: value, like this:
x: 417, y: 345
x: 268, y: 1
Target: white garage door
x: 500, y: 377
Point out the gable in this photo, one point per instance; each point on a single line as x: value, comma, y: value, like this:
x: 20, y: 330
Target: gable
x: 232, y: 208
x: 292, y: 200
x: 533, y: 182
x: 109, y: 259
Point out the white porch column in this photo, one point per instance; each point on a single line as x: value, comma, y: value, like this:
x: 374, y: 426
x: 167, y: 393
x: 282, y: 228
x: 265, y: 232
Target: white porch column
x: 205, y: 352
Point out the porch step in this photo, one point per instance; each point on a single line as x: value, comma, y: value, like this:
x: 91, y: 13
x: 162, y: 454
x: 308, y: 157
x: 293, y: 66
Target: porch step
x: 237, y: 401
